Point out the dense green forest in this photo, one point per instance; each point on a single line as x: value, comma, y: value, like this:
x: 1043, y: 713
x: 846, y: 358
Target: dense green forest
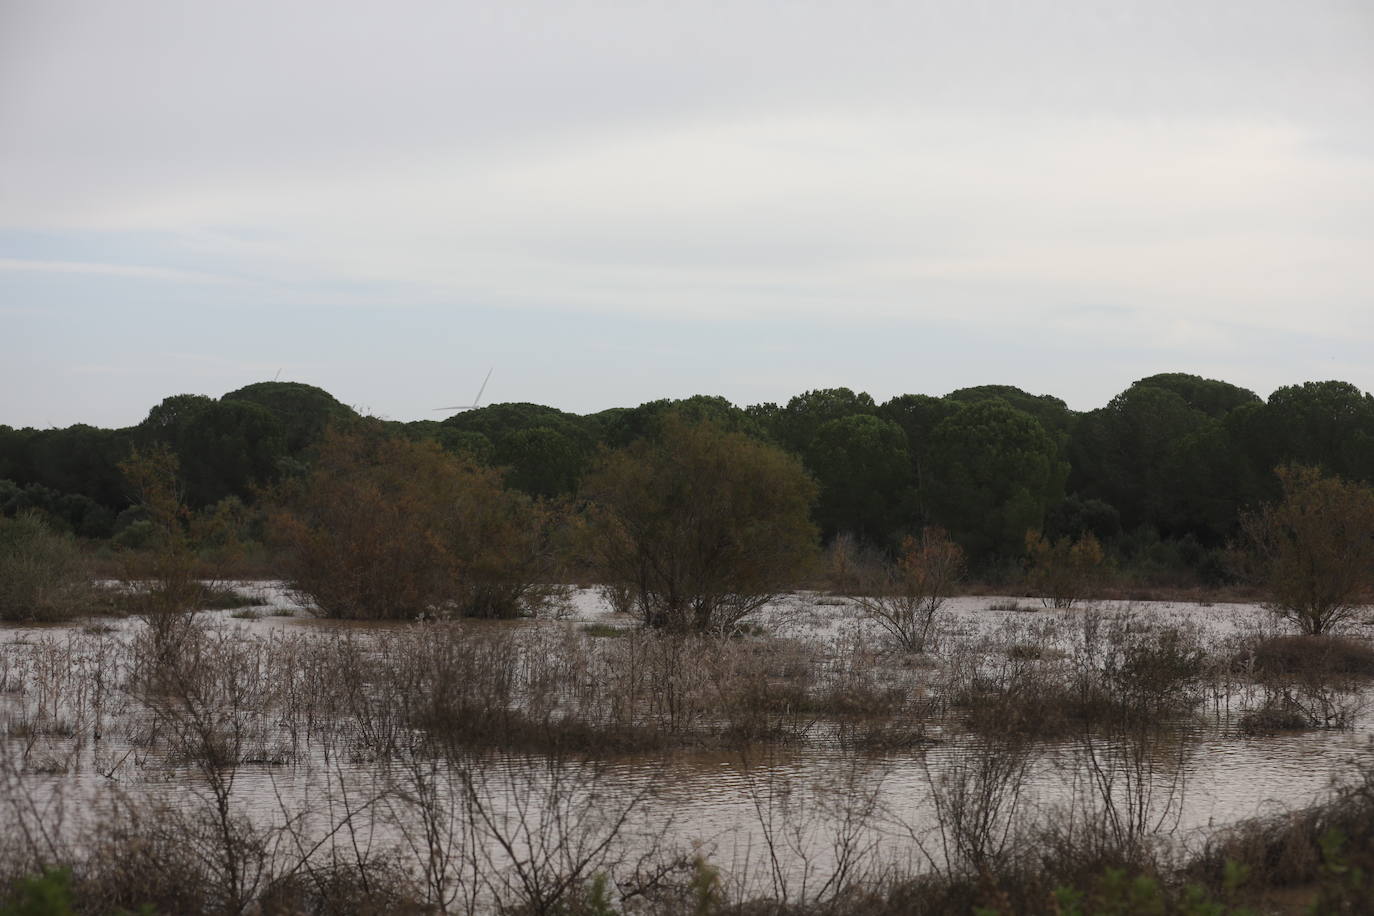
x: 1160, y: 475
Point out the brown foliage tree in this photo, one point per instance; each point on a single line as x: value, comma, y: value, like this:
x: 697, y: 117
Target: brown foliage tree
x: 704, y: 525
x: 1064, y: 570
x: 387, y: 528
x: 1313, y: 551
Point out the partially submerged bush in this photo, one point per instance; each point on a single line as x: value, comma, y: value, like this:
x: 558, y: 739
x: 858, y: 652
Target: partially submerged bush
x: 904, y: 597
x: 393, y: 529
x: 1314, y: 550
x: 43, y: 574
x: 705, y: 525
x: 1064, y: 570
x: 1299, y: 847
x: 1330, y: 656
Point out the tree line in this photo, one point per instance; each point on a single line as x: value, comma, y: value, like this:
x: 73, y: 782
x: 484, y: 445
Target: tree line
x: 1161, y: 476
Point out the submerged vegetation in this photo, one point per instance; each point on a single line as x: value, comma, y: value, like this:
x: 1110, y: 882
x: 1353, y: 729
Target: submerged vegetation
x: 458, y: 767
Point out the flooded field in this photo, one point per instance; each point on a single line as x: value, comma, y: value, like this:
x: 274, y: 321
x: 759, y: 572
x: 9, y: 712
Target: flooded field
x: 504, y: 763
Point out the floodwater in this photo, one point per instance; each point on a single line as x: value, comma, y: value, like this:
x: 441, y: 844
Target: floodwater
x: 768, y: 816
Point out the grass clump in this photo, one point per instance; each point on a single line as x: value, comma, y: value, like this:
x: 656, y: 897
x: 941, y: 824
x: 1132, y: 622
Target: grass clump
x: 221, y: 598
x: 1335, y: 656
x: 604, y: 630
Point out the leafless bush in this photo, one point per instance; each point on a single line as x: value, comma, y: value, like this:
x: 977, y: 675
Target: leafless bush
x: 1131, y: 788
x: 551, y: 824
x: 621, y: 597
x: 904, y: 597
x: 821, y: 846
x: 977, y: 795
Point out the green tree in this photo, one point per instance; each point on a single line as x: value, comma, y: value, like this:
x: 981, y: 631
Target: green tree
x: 918, y: 415
x: 475, y: 446
x: 1051, y: 412
x: 1313, y: 551
x: 795, y: 425
x: 996, y: 473
x: 166, y: 422
x: 79, y: 459
x: 1074, y: 516
x: 1200, y: 486
x: 303, y: 410
x: 1323, y: 424
x: 13, y: 453
x: 497, y: 420
x: 1125, y: 453
x: 622, y: 426
x: 541, y: 461
x: 71, y: 512
x: 865, y: 475
x: 1214, y: 398
x: 704, y: 525
x: 227, y: 449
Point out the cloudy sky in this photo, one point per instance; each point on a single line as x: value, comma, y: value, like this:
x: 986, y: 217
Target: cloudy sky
x: 614, y: 202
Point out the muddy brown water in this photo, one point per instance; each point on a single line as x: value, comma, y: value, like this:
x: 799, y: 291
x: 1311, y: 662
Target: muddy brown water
x: 766, y: 815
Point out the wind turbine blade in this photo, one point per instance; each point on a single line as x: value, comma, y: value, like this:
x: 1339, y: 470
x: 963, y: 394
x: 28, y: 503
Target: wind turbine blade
x: 478, y: 399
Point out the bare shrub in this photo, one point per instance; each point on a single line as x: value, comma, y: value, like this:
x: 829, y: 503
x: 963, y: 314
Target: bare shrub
x: 846, y: 562
x: 549, y: 826
x: 904, y: 597
x: 619, y: 596
x: 1133, y: 792
x: 1303, y: 682
x: 162, y: 580
x: 977, y: 794
x: 821, y: 846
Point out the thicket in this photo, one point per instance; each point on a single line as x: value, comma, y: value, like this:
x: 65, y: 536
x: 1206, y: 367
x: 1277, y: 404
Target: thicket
x: 381, y: 527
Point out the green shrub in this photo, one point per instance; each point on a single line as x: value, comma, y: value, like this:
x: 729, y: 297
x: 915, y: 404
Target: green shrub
x: 48, y: 894
x: 43, y: 574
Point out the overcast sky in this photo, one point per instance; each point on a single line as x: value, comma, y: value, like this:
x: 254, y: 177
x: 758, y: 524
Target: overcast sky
x: 615, y: 202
